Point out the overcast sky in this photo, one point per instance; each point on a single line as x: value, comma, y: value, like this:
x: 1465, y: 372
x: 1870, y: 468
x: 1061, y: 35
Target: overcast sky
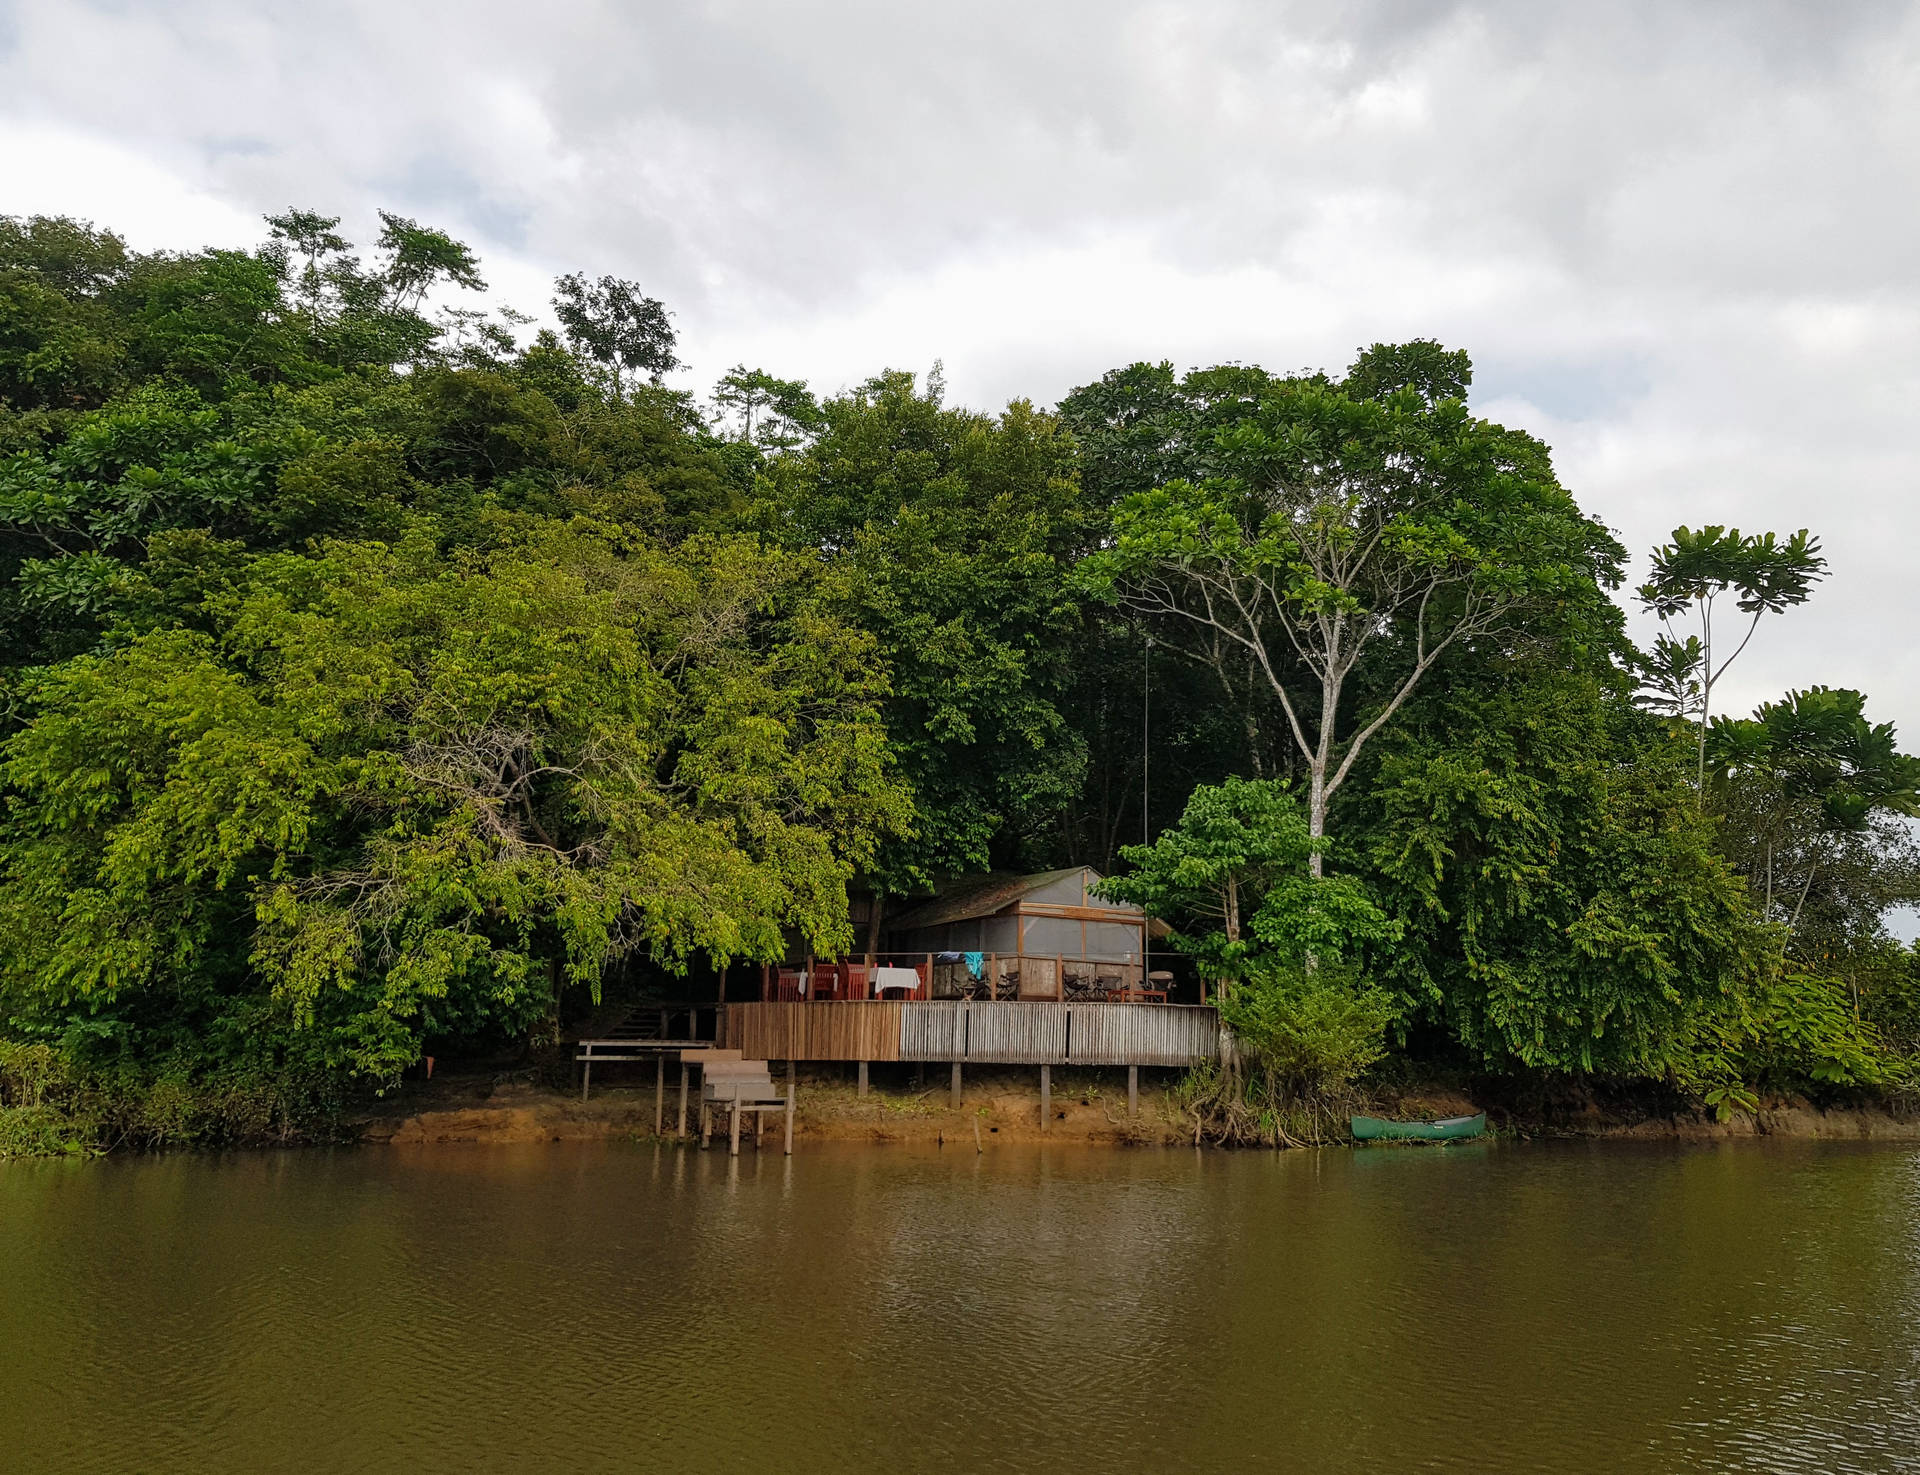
x: 1678, y: 239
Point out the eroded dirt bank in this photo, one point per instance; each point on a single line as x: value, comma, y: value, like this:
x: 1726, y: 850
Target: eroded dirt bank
x: 1087, y: 1107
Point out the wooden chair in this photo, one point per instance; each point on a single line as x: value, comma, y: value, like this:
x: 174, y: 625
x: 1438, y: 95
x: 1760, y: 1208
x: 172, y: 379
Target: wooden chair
x: 856, y: 981
x: 787, y: 987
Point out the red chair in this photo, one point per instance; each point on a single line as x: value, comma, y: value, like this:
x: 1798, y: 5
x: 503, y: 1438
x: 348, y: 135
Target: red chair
x: 856, y: 981
x: 787, y: 989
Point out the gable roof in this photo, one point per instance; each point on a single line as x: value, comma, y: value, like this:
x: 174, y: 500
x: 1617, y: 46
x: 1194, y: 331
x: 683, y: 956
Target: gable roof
x: 967, y: 897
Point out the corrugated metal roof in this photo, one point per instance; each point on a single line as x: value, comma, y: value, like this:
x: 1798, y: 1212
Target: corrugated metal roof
x: 967, y: 897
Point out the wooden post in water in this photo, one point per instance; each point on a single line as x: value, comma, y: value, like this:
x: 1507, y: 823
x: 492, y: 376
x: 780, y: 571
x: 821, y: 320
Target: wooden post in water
x: 1046, y: 1098
x: 1133, y: 1090
x: 733, y: 1130
x: 659, y: 1091
x: 586, y: 1076
x: 956, y: 1085
x: 680, y: 1130
x: 863, y: 1078
x: 790, y: 1089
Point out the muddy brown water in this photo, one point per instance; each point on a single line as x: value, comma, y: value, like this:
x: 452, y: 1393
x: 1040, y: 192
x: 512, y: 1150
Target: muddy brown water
x: 1604, y: 1307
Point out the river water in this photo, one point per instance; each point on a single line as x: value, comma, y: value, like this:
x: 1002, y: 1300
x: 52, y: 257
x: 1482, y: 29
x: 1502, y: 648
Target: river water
x: 1488, y: 1308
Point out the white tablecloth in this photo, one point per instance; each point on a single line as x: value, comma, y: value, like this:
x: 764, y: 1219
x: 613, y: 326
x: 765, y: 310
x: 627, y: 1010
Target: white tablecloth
x: 886, y: 978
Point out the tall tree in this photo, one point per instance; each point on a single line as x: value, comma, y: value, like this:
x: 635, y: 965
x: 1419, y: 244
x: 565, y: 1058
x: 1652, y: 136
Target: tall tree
x: 617, y: 325
x: 784, y: 409
x: 390, y: 795
x: 951, y: 536
x: 1351, y: 542
x: 418, y: 257
x: 1690, y: 575
x: 1229, y: 875
x: 1801, y: 788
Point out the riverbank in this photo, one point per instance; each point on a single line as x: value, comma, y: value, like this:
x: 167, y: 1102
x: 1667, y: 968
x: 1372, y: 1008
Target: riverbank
x: 1087, y: 1107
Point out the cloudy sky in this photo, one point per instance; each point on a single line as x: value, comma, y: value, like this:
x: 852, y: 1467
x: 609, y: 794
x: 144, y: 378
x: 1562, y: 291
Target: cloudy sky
x: 1678, y: 239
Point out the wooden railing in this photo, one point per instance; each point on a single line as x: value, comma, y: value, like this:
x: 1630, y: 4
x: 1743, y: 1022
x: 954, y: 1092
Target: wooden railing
x: 996, y: 1033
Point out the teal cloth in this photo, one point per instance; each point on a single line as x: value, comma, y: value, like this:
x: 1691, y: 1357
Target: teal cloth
x: 976, y: 963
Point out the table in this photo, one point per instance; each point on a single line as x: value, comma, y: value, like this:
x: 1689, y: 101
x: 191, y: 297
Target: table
x: 901, y: 978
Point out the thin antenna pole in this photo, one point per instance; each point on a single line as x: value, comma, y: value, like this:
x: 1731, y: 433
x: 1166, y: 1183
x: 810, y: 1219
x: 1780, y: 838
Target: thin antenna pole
x: 1146, y: 819
x: 1146, y: 733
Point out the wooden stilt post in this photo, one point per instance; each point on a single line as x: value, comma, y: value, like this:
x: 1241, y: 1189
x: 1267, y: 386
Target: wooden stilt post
x: 863, y: 1078
x: 586, y: 1077
x: 789, y: 1118
x: 1046, y: 1097
x: 659, y: 1092
x: 956, y: 1085
x: 1133, y: 1090
x: 706, y: 1121
x: 733, y: 1131
x: 680, y: 1130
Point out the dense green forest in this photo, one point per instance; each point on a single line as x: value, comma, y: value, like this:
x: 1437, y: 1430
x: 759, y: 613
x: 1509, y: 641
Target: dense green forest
x: 383, y: 678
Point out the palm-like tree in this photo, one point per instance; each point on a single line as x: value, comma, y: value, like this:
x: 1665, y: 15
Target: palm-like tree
x: 1695, y: 572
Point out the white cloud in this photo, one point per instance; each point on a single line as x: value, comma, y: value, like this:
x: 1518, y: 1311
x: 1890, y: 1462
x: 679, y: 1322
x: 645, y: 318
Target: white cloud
x: 1676, y: 238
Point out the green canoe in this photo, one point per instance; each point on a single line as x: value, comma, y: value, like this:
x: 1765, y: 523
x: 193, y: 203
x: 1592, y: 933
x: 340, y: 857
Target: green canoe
x: 1373, y: 1128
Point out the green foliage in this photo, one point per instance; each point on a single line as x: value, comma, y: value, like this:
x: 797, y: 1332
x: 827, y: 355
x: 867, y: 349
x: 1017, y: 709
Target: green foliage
x: 1693, y: 572
x: 1565, y: 908
x: 1308, y: 1029
x: 616, y: 325
x: 1792, y: 1031
x: 1812, y: 802
x: 787, y: 414
x: 1232, y: 876
x: 1764, y: 574
x: 950, y: 536
x: 438, y: 788
x: 1353, y: 536
x: 374, y: 681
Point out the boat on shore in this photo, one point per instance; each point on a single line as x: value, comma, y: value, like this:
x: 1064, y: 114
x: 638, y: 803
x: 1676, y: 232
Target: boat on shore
x: 1447, y: 1129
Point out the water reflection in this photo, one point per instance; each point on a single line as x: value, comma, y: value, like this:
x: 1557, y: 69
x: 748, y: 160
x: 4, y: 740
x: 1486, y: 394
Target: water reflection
x: 627, y: 1307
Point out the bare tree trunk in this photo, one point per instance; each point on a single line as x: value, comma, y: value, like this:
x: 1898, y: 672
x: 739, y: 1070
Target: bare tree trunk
x: 1317, y: 818
x: 1813, y: 868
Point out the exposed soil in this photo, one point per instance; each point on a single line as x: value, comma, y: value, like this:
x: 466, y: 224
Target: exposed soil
x: 1003, y: 1105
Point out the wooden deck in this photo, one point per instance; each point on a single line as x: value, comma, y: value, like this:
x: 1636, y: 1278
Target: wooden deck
x: 988, y: 1033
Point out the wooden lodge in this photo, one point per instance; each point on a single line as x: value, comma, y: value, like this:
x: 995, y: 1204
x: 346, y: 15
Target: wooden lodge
x: 996, y: 969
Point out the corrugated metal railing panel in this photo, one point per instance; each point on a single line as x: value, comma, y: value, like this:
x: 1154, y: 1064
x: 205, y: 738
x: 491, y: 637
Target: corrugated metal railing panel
x: 1008, y: 1032
x: 841, y: 1030
x: 1013, y: 1033
x: 1143, y: 1034
x: 935, y: 1030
